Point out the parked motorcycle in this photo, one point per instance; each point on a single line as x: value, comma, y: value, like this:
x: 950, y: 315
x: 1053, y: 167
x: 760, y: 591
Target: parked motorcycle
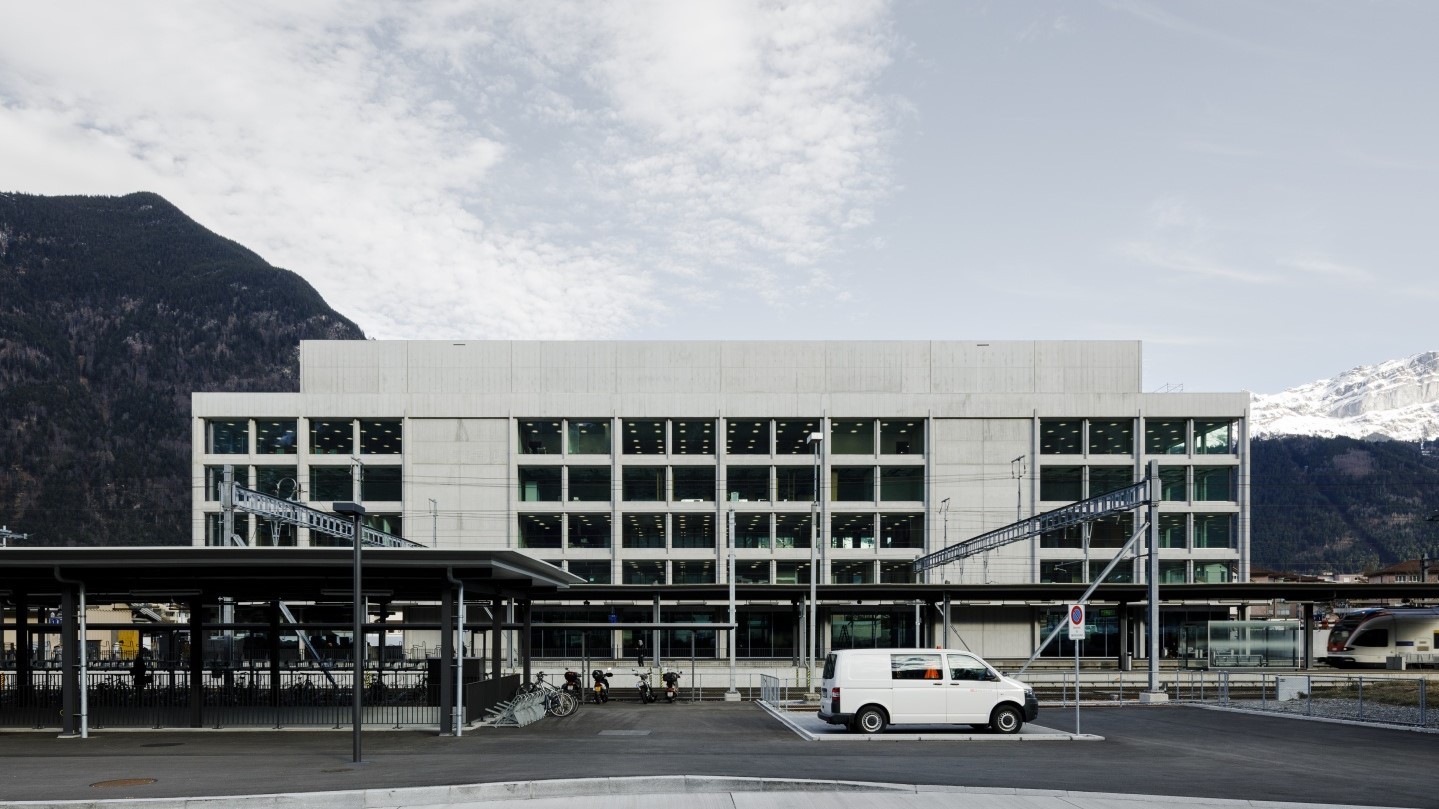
x: 647, y: 694
x: 600, y: 691
x: 572, y: 686
x: 672, y: 685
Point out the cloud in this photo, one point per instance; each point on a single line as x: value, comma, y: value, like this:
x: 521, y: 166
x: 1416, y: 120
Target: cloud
x: 547, y: 169
x: 1315, y: 265
x: 1174, y: 259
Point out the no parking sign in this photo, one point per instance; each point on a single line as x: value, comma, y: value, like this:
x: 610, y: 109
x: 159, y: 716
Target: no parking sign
x: 1076, y: 622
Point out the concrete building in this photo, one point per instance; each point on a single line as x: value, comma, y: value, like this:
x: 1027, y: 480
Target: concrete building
x: 624, y: 463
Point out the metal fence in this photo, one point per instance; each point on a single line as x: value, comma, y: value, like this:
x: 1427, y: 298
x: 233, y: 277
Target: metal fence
x: 392, y: 698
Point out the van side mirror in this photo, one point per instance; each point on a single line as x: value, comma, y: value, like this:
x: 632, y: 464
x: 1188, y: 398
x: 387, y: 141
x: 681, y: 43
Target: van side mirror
x: 991, y: 676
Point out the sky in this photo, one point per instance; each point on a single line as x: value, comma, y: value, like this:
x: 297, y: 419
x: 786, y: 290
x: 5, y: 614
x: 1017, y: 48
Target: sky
x: 1250, y: 188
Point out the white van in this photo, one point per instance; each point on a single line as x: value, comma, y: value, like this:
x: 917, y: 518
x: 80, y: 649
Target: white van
x: 868, y: 689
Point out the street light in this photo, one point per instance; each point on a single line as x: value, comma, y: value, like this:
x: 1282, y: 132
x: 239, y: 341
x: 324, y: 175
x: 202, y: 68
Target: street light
x: 814, y: 439
x: 356, y: 512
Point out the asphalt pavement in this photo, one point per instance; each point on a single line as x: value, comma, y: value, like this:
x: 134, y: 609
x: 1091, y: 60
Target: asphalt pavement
x: 738, y: 755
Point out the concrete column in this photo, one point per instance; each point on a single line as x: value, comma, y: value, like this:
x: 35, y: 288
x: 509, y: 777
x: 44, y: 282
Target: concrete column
x: 69, y: 663
x: 23, y: 642
x: 525, y: 618
x: 496, y: 634
x: 274, y: 650
x: 447, y: 662
x: 197, y: 664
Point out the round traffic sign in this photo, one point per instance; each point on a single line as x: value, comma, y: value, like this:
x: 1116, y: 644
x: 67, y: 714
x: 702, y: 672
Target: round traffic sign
x: 1076, y: 614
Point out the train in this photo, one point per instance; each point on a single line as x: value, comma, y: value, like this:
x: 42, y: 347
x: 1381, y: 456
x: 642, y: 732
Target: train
x: 1370, y: 637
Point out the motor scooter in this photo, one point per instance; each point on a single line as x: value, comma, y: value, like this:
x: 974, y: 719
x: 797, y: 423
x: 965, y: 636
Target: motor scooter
x: 647, y: 694
x: 600, y: 691
x: 672, y: 685
x: 572, y: 685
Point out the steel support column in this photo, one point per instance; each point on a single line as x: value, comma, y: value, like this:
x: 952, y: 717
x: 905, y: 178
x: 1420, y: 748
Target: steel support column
x: 447, y: 661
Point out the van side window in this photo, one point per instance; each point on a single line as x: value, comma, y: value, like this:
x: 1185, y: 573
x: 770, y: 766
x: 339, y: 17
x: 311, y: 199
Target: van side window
x: 966, y: 668
x: 916, y: 667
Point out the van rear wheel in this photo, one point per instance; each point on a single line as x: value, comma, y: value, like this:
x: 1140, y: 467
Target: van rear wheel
x: 1006, y: 719
x: 870, y: 720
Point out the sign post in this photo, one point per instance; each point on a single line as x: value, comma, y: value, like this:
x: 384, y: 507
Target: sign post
x: 1076, y: 635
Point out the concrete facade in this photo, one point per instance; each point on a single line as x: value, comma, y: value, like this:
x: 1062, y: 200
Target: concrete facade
x: 923, y: 444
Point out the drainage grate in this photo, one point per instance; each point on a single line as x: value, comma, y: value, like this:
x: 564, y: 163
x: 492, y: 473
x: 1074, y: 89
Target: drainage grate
x: 162, y: 744
x: 123, y: 782
x: 624, y: 733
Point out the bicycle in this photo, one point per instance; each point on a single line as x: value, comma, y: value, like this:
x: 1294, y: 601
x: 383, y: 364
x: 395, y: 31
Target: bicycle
x: 558, y: 702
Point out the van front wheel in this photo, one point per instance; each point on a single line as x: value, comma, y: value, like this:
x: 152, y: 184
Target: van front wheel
x: 1006, y: 719
x: 870, y: 720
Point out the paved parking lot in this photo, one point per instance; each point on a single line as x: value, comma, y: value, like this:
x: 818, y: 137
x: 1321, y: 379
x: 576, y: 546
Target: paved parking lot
x: 1169, y: 750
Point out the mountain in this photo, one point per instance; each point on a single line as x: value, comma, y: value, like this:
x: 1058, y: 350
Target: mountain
x: 1396, y: 400
x: 112, y: 311
x: 1341, y: 504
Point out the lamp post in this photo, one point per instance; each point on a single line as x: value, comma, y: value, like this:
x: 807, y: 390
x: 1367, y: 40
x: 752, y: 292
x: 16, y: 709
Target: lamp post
x: 357, y: 512
x: 814, y: 534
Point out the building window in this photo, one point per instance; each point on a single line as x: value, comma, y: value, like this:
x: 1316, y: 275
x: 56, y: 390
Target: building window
x: 1173, y: 530
x: 694, y: 571
x: 229, y: 438
x: 331, y: 483
x: 215, y: 480
x: 752, y: 572
x: 589, y: 437
x: 1070, y: 536
x: 792, y: 531
x: 332, y: 437
x: 746, y: 437
x: 392, y: 524
x: 1061, y: 483
x: 751, y: 531
x: 381, y: 483
x: 1215, y: 438
x: 1061, y: 571
x: 901, y: 530
x: 644, y: 530
x: 1123, y: 573
x: 589, y: 530
x: 896, y: 573
x: 540, y: 531
x: 272, y: 534
x: 215, y: 531
x: 1165, y: 437
x: 694, y: 437
x: 1213, y: 531
x: 1213, y: 572
x: 593, y: 572
x: 540, y: 484
x: 792, y: 437
x: 792, y: 572
x: 747, y: 483
x: 694, y: 484
x: 1214, y: 483
x: 1175, y: 572
x: 1173, y: 483
x: 852, y: 437
x: 854, y: 531
x: 1105, y: 479
x: 1112, y: 531
x: 901, y: 437
x: 276, y: 437
x: 539, y: 437
x: 1060, y: 437
x: 590, y: 483
x: 794, y: 484
x: 901, y: 483
x: 693, y: 531
x: 1111, y: 437
x: 278, y: 481
x: 380, y: 437
x: 643, y: 437
x: 852, y: 483
x: 638, y: 571
x: 851, y: 571
x: 643, y: 484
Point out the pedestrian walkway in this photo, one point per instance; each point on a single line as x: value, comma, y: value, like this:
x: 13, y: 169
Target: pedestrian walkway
x: 667, y: 792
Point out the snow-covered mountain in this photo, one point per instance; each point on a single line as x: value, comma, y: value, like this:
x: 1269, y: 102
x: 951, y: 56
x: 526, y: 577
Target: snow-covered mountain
x: 1396, y: 400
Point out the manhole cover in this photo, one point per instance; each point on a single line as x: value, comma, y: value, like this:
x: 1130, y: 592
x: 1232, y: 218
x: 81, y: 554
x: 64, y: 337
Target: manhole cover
x: 123, y: 782
x: 162, y: 744
x: 624, y: 733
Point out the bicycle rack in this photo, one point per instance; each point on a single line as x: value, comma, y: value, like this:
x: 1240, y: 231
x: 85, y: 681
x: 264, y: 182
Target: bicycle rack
x: 518, y: 712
